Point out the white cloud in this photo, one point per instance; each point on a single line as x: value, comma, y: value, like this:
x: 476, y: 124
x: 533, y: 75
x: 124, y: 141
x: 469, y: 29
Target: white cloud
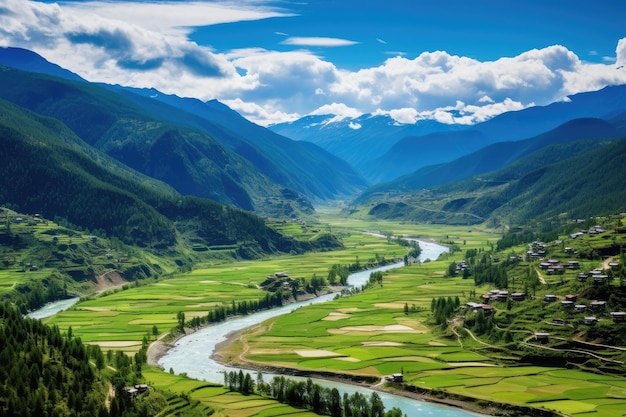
x: 317, y: 41
x: 620, y: 52
x: 338, y: 109
x: 147, y: 44
x: 354, y: 125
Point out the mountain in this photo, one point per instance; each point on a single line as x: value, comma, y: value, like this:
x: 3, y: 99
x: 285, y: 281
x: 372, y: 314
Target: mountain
x: 47, y: 169
x: 377, y: 135
x: 551, y: 185
x: 26, y: 60
x: 301, y: 166
x: 356, y: 140
x: 495, y: 156
x: 270, y: 173
x: 414, y: 152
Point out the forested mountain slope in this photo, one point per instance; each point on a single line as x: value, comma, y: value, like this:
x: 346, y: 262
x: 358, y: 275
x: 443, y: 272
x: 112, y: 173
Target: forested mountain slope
x: 49, y: 170
x: 190, y: 160
x: 290, y: 167
x: 302, y: 166
x: 554, y: 184
x: 496, y: 156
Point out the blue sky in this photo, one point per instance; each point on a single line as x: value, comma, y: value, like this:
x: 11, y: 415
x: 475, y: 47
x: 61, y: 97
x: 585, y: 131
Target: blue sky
x: 484, y: 30
x: 276, y: 61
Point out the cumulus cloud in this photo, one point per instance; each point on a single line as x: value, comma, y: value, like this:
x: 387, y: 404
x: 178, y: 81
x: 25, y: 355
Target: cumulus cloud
x: 147, y: 44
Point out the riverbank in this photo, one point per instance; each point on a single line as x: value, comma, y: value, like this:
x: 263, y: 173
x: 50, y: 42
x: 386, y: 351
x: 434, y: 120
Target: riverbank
x: 163, y: 344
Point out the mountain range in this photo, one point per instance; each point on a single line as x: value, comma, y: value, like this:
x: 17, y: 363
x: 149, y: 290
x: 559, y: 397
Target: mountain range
x: 156, y: 149
x: 382, y: 150
x: 201, y: 149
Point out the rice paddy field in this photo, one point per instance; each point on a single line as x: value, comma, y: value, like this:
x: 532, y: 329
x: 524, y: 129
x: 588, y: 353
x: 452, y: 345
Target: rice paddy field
x: 122, y: 317
x: 366, y: 334
x: 218, y: 398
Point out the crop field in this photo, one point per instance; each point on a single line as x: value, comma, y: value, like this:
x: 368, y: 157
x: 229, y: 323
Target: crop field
x: 219, y: 398
x: 122, y: 317
x: 370, y: 334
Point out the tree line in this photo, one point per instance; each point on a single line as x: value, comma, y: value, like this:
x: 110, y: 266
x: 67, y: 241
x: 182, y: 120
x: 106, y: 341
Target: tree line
x: 311, y: 396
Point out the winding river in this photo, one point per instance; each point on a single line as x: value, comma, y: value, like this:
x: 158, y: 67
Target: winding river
x: 191, y: 353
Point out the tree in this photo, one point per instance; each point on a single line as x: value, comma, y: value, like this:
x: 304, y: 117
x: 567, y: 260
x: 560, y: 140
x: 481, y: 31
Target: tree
x: 181, y: 321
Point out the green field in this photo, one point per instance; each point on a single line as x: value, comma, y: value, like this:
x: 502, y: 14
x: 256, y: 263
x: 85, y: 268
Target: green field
x: 367, y: 334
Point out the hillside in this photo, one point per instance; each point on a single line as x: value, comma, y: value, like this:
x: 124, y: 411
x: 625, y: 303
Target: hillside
x: 190, y: 160
x: 50, y: 172
x: 301, y: 166
x: 549, y: 186
x: 496, y: 156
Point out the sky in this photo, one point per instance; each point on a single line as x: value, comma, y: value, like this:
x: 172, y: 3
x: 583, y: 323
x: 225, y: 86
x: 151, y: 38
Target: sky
x: 276, y: 61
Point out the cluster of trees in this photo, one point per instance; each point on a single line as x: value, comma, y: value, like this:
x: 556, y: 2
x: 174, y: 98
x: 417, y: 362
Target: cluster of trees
x: 443, y: 308
x: 34, y: 294
x: 244, y: 307
x: 491, y: 270
x: 45, y: 373
x: 308, y: 395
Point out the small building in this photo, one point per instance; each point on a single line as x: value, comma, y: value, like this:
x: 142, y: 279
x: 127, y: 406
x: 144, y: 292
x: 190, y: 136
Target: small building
x: 571, y: 297
x: 597, y: 305
x: 590, y: 320
x: 600, y: 278
x: 488, y: 310
x: 518, y: 296
x: 567, y: 304
x: 613, y: 265
x: 549, y: 298
x: 573, y: 265
x: 618, y: 316
x: 582, y: 277
x: 394, y: 378
x: 542, y: 337
x: 580, y: 308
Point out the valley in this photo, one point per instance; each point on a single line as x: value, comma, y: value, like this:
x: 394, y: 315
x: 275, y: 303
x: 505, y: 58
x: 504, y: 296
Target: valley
x: 158, y: 218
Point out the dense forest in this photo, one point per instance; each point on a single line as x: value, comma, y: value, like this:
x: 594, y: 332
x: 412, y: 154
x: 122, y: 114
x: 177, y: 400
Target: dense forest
x: 45, y: 373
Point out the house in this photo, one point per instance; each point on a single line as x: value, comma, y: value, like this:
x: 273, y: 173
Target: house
x: 549, y: 298
x: 597, y: 305
x: 573, y: 265
x: 542, y: 337
x: 600, y: 278
x: 613, y: 265
x: 618, y: 316
x: 518, y: 296
x: 590, y: 320
x: 567, y: 304
x: 571, y: 297
x: 580, y: 307
x: 394, y: 378
x: 582, y: 277
x: 488, y: 310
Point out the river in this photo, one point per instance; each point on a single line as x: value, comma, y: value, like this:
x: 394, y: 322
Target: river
x: 191, y: 354
x: 53, y: 308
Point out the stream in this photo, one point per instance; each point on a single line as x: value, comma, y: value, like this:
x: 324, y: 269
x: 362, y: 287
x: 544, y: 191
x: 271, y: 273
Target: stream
x: 191, y: 353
